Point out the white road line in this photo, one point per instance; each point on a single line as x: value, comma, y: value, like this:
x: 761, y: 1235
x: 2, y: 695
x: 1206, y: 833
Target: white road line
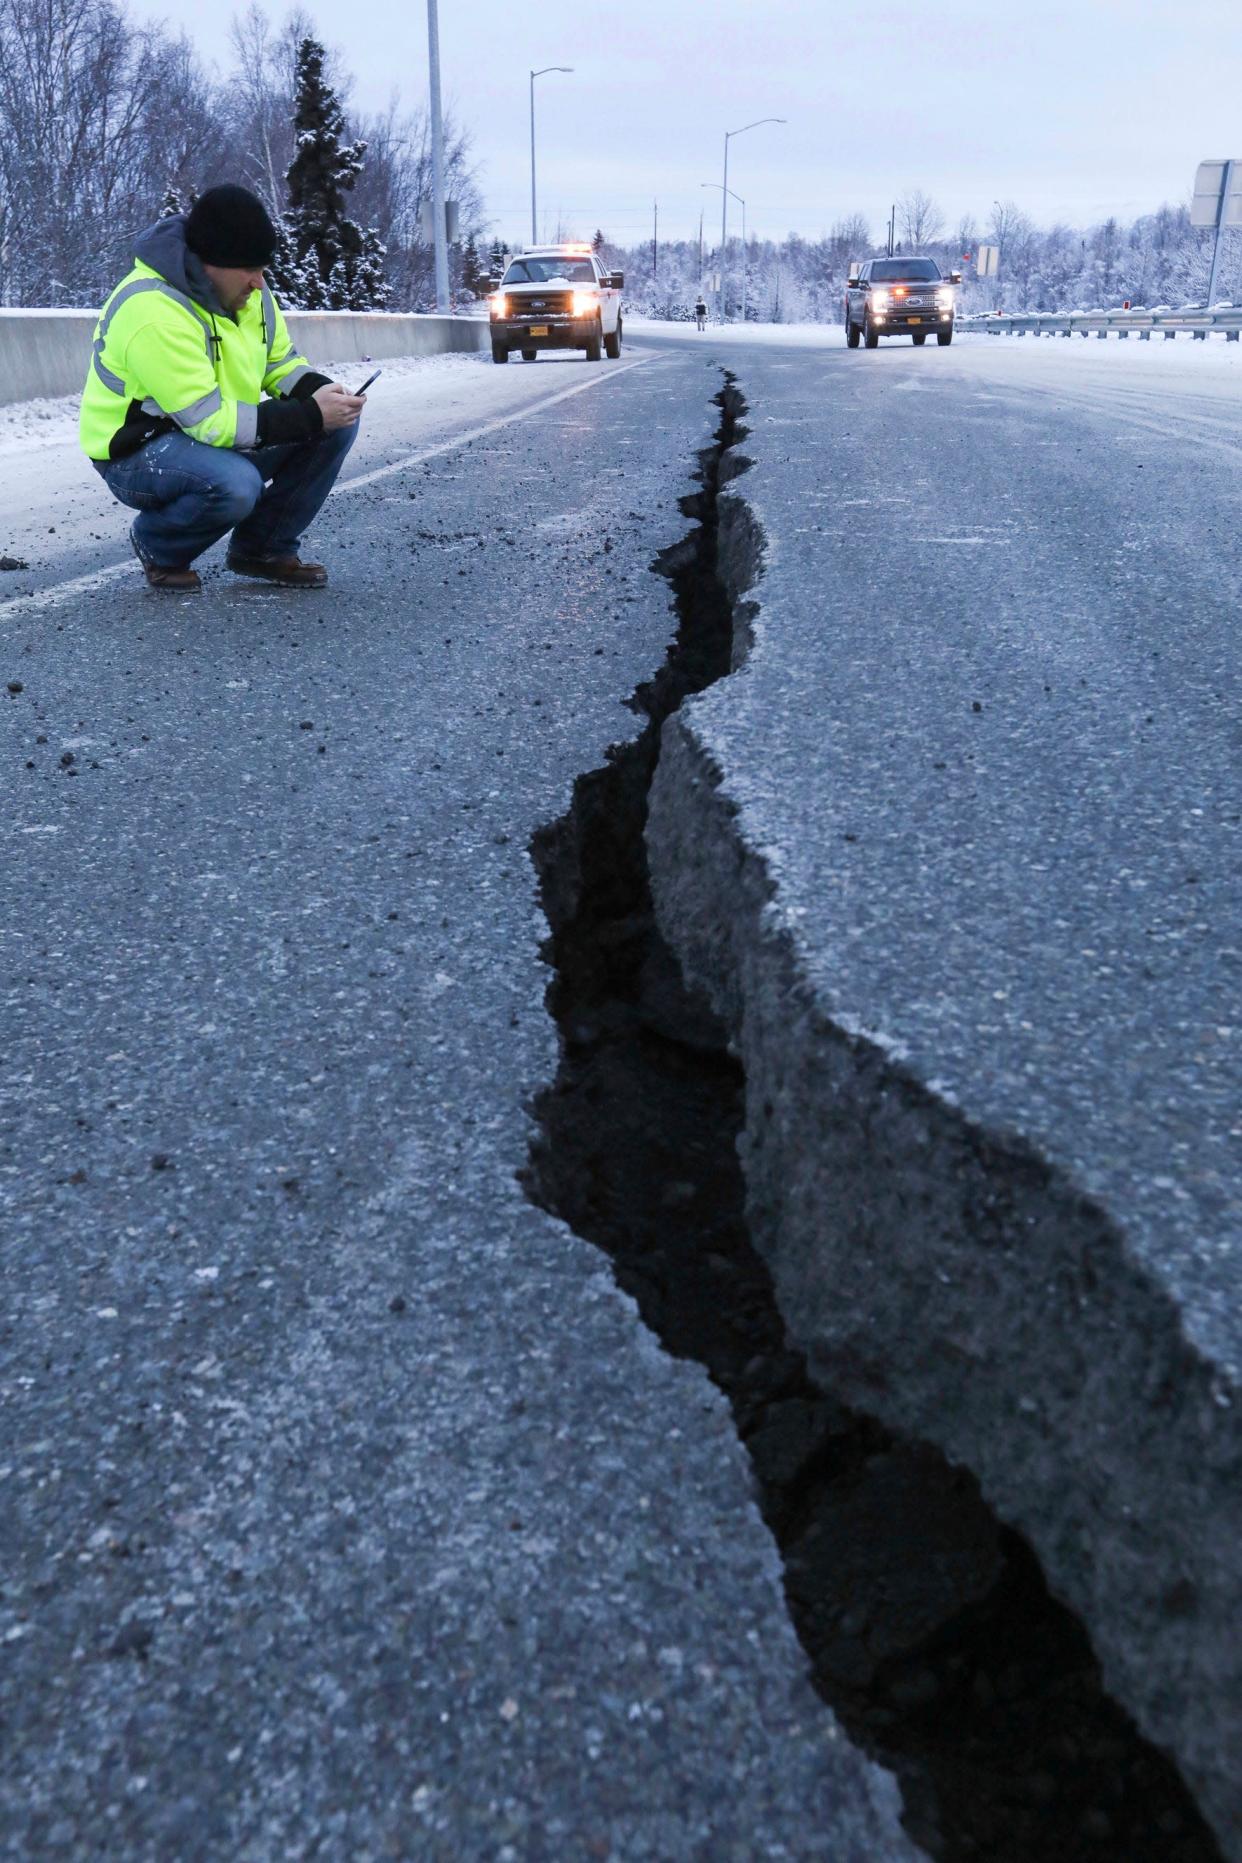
x: 65, y: 591
x: 491, y: 426
x: 60, y: 592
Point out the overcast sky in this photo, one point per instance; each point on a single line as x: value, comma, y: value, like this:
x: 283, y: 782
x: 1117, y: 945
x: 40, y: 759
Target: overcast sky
x: 1074, y: 109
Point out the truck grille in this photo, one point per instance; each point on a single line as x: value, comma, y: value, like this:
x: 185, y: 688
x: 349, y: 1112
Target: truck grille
x: 554, y: 304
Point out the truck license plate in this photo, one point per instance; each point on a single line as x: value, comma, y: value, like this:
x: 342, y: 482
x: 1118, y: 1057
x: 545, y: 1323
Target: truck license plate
x: 539, y: 329
x: 916, y: 320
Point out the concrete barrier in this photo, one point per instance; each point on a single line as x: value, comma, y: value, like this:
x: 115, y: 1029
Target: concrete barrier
x: 45, y: 352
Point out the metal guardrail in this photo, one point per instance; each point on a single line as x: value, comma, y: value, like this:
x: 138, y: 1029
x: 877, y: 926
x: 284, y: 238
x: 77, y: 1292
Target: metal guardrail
x: 1196, y: 318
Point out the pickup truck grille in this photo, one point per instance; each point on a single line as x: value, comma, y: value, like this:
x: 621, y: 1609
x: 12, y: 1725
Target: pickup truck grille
x: 553, y: 304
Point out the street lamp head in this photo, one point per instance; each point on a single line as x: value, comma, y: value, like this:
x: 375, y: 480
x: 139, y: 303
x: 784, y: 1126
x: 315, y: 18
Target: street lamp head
x: 755, y: 125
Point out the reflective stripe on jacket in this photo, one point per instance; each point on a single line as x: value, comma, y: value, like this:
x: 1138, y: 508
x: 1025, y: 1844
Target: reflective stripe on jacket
x: 159, y: 355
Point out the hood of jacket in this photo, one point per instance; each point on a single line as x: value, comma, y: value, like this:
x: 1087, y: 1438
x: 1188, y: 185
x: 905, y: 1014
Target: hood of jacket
x: 163, y: 248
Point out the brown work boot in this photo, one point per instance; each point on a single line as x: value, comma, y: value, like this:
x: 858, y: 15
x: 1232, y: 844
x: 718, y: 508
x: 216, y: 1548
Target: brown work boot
x: 290, y: 572
x: 178, y: 577
x: 184, y: 581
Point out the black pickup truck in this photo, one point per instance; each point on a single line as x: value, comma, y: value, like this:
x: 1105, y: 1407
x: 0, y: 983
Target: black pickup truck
x: 899, y: 297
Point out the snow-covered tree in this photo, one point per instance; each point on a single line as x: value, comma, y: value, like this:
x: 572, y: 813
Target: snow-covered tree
x: 295, y: 282
x: 340, y: 265
x: 357, y: 281
x: 473, y: 277
x: 920, y: 220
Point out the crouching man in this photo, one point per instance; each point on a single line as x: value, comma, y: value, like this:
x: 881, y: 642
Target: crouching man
x: 174, y: 416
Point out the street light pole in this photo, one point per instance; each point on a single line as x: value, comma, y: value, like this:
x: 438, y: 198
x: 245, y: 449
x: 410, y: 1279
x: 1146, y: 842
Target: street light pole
x: 534, y: 231
x: 742, y: 203
x: 724, y: 201
x: 439, y: 233
x: 744, y: 265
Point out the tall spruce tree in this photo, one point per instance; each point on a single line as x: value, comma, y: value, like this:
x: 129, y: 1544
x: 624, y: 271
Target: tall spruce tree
x: 342, y: 266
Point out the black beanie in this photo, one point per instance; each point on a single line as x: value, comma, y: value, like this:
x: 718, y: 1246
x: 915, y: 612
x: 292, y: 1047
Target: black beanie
x: 230, y: 226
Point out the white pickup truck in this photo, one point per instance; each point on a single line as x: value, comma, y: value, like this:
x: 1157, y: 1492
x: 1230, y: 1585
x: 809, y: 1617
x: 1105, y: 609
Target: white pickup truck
x: 557, y: 297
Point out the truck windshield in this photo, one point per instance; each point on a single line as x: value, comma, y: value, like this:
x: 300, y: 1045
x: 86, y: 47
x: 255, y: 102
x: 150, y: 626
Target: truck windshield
x: 884, y: 271
x: 543, y: 271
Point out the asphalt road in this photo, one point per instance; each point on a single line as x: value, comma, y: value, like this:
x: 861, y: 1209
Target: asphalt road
x: 957, y: 852
x: 348, y: 1510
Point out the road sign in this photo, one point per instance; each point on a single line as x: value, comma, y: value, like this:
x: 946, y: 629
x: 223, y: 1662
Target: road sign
x: 1218, y: 194
x: 987, y: 261
x: 1217, y: 203
x: 427, y: 225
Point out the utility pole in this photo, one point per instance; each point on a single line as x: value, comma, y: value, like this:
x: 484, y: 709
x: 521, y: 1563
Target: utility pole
x: 439, y: 230
x: 892, y: 229
x: 700, y: 248
x: 655, y: 241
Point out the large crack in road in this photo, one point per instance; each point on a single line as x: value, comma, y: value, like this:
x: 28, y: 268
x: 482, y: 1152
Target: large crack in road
x: 927, y: 1623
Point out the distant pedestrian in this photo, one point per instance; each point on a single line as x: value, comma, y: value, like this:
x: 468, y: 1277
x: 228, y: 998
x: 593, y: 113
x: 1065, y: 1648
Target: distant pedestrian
x: 174, y: 415
x: 700, y: 312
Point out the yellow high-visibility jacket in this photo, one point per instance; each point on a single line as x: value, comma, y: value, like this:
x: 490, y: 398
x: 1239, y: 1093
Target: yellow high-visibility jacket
x: 166, y: 355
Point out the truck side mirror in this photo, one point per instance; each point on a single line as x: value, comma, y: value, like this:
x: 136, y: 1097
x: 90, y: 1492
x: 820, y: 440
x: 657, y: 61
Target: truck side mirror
x: 616, y: 281
x: 852, y: 279
x: 955, y: 278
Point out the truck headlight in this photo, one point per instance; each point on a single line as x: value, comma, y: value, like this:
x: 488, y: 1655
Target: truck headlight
x: 879, y: 300
x: 500, y: 305
x: 945, y: 300
x: 585, y: 303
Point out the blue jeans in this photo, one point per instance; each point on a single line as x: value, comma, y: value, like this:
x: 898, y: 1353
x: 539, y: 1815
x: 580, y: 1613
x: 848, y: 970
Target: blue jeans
x: 188, y: 495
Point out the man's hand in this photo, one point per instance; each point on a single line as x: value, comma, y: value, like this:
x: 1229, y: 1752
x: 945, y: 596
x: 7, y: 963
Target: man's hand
x: 338, y: 407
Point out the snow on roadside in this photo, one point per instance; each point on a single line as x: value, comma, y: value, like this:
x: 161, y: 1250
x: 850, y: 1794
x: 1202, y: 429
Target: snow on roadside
x: 1215, y: 353
x: 52, y: 422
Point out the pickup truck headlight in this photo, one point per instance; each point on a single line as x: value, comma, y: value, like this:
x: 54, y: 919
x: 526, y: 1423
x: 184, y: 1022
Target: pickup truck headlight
x: 585, y: 303
x: 500, y: 305
x: 879, y: 300
x: 945, y: 300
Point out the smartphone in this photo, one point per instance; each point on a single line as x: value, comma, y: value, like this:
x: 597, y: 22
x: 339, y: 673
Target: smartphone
x: 367, y: 383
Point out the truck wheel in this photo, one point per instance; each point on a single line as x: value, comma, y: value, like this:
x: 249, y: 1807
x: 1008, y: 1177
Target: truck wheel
x: 851, y: 334
x: 945, y: 337
x: 595, y: 347
x: 528, y: 355
x: 871, y: 337
x: 499, y: 353
x: 920, y: 337
x: 612, y: 343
